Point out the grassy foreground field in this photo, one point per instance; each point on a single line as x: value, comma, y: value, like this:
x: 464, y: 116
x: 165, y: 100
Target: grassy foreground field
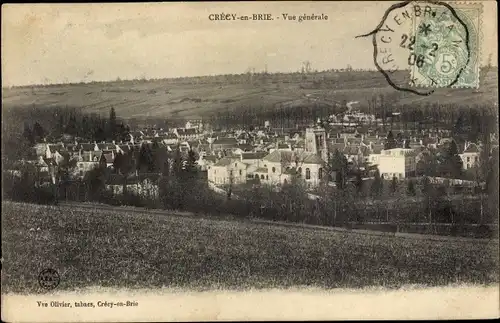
x: 116, y: 249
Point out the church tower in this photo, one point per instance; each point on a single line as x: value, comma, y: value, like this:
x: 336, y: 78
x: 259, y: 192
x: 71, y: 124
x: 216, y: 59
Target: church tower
x: 316, y: 142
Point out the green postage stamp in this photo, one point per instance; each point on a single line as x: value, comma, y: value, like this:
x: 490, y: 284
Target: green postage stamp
x: 447, y: 46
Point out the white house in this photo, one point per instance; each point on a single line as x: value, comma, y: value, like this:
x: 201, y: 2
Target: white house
x: 206, y: 161
x: 398, y: 162
x: 470, y: 155
x: 228, y: 171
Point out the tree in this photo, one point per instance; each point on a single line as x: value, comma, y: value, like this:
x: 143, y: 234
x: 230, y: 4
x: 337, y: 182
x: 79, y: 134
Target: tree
x: 394, y: 184
x: 71, y: 127
x: 38, y: 132
x: 145, y: 159
x: 95, y: 181
x: 118, y: 161
x: 410, y: 190
x: 86, y: 129
x: 337, y: 168
x: 60, y: 125
x: 28, y: 134
x: 112, y: 125
x: 459, y: 127
x: 390, y: 142
x: 191, y: 163
x: 358, y: 183
x: 377, y: 185
x: 452, y: 165
x: 65, y: 170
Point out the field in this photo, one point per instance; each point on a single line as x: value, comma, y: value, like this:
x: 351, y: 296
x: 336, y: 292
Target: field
x: 195, y: 97
x: 128, y: 250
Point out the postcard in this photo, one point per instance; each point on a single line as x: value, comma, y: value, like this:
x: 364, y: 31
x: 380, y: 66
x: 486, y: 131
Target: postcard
x: 248, y: 161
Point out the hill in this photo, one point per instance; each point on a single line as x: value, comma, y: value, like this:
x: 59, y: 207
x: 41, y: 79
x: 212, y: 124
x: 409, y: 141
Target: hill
x: 202, y: 96
x: 126, y: 249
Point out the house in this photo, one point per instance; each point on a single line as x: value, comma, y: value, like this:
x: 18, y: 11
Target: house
x: 170, y: 138
x: 86, y: 161
x: 284, y: 146
x: 227, y: 171
x: 145, y: 185
x: 352, y: 153
x: 375, y: 152
x: 89, y: 146
x: 253, y: 158
x: 106, y: 146
x: 243, y: 138
x: 470, y: 155
x: 54, y: 152
x: 397, y: 162
x: 224, y: 143
x: 205, y: 161
x: 194, y: 124
x: 109, y: 157
x: 187, y: 134
x: 279, y: 163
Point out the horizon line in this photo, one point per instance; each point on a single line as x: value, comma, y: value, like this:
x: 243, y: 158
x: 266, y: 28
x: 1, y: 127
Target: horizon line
x: 142, y: 79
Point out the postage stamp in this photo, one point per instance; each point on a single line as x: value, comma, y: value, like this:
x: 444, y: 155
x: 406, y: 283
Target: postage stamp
x: 437, y: 42
x: 447, y: 46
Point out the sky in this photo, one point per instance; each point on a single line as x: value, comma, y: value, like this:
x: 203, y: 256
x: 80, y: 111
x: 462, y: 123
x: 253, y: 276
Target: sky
x: 59, y: 43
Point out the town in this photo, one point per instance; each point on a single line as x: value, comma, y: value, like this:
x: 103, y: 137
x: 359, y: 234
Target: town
x: 362, y: 155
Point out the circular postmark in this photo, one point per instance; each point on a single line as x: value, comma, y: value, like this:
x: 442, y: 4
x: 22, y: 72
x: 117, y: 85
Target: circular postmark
x: 428, y: 39
x: 49, y: 278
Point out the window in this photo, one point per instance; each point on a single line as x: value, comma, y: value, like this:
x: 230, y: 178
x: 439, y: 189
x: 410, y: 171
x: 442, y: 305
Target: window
x: 240, y: 172
x: 308, y: 173
x: 299, y: 170
x: 265, y: 166
x: 468, y: 159
x: 256, y: 175
x: 274, y: 169
x: 235, y: 165
x: 215, y: 171
x: 320, y: 173
x: 267, y: 177
x: 261, y: 176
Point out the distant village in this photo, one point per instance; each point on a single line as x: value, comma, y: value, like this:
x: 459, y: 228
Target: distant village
x: 268, y: 155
